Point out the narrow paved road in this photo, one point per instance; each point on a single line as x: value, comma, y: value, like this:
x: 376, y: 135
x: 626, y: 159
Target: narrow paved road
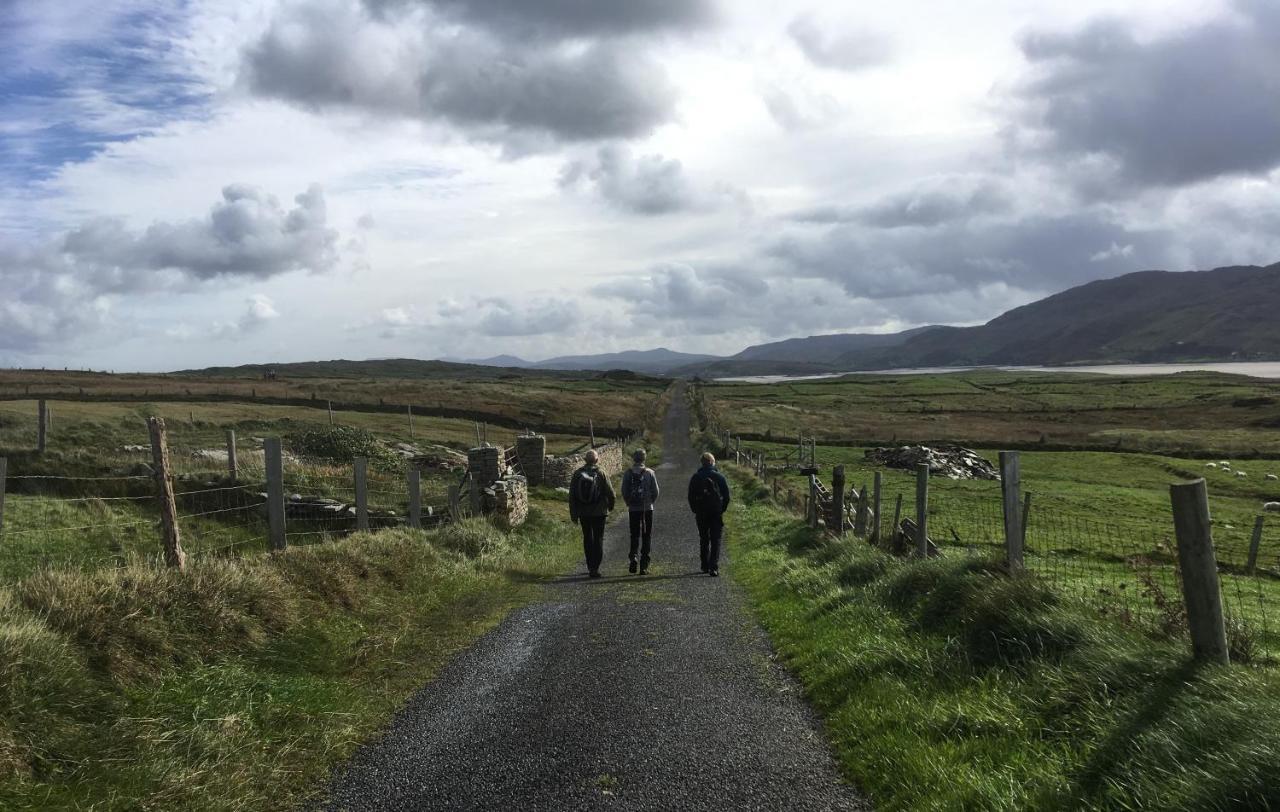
x: 623, y: 693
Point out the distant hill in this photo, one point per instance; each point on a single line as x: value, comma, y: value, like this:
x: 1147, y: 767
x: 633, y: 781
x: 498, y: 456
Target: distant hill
x: 732, y: 368
x: 654, y: 362
x: 824, y: 349
x: 512, y: 361
x: 1146, y: 317
x: 376, y: 368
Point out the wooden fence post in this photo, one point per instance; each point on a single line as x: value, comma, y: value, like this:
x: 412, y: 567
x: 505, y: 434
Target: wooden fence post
x: 477, y: 427
x: 42, y: 422
x: 837, y: 500
x: 455, y: 503
x: 173, y: 555
x: 1254, y: 543
x: 1011, y: 497
x: 4, y: 471
x: 591, y: 429
x: 273, y: 457
x: 409, y: 409
x: 1200, y: 589
x: 233, y: 468
x: 922, y: 510
x: 329, y: 403
x: 362, y: 492
x: 860, y: 515
x: 875, y: 501
x: 811, y: 514
x: 897, y: 521
x: 1026, y: 517
x: 415, y: 498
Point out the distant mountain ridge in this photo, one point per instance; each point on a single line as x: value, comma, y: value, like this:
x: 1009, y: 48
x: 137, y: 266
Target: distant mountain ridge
x: 1227, y: 314
x: 658, y: 361
x: 824, y: 349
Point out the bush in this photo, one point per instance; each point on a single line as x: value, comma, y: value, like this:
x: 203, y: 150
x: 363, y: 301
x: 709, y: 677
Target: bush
x: 342, y: 444
x: 473, y: 538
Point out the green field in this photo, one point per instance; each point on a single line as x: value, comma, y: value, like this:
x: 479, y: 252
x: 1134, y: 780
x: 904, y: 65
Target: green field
x: 1100, y: 526
x: 524, y: 400
x: 1192, y: 413
x: 88, y: 501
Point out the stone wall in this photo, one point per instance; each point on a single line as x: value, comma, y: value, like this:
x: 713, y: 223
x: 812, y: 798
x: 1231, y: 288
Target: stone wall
x: 507, y: 501
x: 531, y: 450
x: 487, y: 464
x: 559, y: 470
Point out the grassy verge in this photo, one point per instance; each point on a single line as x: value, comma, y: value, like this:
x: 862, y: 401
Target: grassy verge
x: 241, y: 683
x: 947, y: 685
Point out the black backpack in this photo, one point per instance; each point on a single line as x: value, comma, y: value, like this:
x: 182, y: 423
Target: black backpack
x: 706, y: 497
x: 635, y: 487
x: 586, y: 488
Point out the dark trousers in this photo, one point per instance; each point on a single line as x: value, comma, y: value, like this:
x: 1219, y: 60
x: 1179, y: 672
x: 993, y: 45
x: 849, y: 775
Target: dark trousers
x: 710, y: 531
x: 641, y: 534
x: 593, y: 540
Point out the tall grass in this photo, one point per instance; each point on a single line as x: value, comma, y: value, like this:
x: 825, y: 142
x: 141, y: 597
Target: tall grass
x: 947, y: 685
x: 240, y: 683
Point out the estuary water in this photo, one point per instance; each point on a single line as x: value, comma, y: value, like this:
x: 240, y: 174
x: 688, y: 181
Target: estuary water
x: 1254, y: 369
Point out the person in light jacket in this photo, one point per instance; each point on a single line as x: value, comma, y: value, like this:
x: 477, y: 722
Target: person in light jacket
x: 640, y: 492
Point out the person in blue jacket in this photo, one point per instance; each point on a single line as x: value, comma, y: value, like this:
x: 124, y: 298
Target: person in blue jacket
x: 709, y: 499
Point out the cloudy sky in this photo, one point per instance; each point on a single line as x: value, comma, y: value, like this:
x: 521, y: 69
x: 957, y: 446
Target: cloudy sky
x: 231, y: 181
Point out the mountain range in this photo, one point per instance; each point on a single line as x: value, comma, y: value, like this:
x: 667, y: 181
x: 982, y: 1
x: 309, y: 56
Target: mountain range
x: 1226, y: 314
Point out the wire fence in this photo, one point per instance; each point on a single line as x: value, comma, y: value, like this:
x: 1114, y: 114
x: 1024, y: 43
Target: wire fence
x: 85, y: 522
x: 1127, y: 572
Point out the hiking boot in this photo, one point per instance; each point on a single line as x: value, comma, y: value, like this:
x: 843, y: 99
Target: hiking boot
x: 594, y: 573
x: 631, y: 568
x: 644, y: 570
x: 714, y: 573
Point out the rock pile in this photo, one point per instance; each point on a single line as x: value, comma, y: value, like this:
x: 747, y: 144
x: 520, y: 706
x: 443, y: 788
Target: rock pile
x: 951, y: 461
x: 434, y: 458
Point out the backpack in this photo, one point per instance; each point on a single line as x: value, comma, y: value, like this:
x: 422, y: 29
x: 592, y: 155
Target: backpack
x: 586, y: 488
x: 635, y: 491
x: 706, y: 497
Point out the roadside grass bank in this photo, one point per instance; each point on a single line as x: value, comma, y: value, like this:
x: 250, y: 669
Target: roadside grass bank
x: 944, y: 684
x: 241, y: 683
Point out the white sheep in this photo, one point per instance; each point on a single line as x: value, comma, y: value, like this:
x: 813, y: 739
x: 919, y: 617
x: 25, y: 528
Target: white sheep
x: 1211, y: 465
x: 1241, y: 474
x: 1272, y: 477
x: 1271, y: 507
x: 1225, y: 464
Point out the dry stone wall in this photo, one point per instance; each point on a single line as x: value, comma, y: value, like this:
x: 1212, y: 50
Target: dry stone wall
x: 559, y: 470
x: 507, y: 500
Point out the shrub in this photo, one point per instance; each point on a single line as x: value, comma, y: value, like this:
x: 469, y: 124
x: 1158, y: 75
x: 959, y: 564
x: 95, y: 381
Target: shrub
x: 342, y: 444
x: 473, y: 538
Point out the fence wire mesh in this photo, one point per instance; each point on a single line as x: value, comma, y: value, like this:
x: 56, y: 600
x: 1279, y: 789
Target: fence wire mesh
x: 1128, y: 572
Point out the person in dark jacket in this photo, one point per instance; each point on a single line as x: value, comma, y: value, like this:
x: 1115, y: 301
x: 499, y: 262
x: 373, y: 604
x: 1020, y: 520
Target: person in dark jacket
x: 709, y: 499
x: 591, y: 498
x: 640, y: 492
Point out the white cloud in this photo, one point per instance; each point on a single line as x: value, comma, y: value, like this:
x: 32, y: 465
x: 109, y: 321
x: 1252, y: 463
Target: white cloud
x: 895, y: 172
